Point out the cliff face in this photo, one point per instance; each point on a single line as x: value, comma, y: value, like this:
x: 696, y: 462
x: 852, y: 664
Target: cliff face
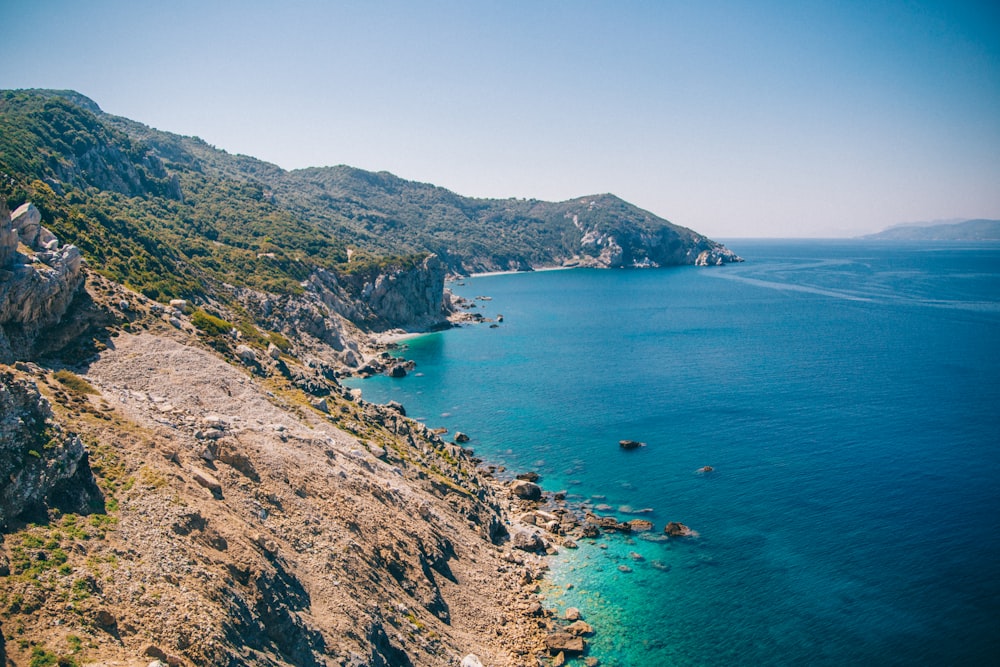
x: 36, y: 286
x: 408, y: 298
x: 635, y: 249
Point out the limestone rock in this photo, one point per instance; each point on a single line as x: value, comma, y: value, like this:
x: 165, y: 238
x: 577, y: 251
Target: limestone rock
x: 27, y: 220
x: 406, y: 297
x: 33, y: 295
x: 471, y: 660
x: 564, y: 642
x: 526, y: 490
x: 527, y: 541
x: 246, y: 354
x: 572, y: 614
x: 580, y: 628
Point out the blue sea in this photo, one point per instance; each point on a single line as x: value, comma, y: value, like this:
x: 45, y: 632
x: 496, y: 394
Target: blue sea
x: 846, y: 394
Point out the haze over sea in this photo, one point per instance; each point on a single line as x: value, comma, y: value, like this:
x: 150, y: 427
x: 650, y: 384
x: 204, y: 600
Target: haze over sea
x: 846, y: 393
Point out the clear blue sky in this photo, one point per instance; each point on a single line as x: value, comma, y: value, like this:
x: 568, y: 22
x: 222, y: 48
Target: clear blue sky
x: 755, y: 118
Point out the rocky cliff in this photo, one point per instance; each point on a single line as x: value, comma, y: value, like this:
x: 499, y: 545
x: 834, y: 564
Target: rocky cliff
x: 38, y: 280
x: 407, y: 298
x: 40, y: 463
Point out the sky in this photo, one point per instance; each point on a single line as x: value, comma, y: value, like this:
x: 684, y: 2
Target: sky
x: 737, y: 119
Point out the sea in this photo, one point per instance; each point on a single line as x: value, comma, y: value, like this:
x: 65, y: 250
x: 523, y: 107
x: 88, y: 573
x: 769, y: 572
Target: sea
x: 846, y: 395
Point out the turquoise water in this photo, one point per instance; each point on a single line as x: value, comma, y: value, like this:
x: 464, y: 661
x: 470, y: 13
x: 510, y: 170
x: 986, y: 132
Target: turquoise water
x: 846, y: 394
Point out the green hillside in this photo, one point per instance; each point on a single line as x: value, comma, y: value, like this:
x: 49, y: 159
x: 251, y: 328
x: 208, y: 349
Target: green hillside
x: 172, y: 216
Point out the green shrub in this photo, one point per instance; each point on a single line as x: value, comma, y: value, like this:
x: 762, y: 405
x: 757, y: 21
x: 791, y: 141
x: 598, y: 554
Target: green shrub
x: 72, y: 381
x: 210, y: 324
x: 279, y: 341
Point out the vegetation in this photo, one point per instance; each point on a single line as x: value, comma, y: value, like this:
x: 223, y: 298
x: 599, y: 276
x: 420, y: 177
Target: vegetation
x: 173, y: 217
x: 210, y: 324
x: 74, y: 382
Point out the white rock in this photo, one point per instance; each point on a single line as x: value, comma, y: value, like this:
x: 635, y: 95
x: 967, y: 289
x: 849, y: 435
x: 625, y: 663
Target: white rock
x: 471, y: 660
x: 246, y: 354
x: 27, y: 220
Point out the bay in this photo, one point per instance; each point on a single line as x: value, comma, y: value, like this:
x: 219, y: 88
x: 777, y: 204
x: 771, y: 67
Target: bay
x: 846, y: 395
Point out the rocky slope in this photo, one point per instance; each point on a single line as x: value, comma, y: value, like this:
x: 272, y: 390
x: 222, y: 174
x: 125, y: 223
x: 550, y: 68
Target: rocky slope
x: 247, y: 522
x: 219, y: 502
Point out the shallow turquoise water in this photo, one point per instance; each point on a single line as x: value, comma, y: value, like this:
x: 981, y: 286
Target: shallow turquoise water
x: 846, y: 394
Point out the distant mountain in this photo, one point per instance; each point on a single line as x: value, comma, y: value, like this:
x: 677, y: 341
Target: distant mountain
x: 966, y: 230
x: 173, y: 216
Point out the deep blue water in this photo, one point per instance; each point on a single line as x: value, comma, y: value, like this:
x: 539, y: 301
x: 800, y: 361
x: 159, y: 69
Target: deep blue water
x: 847, y: 395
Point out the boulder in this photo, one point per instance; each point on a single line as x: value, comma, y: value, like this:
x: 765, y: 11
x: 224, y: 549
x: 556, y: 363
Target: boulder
x: 564, y: 642
x: 630, y: 444
x: 246, y: 354
x: 527, y: 541
x: 526, y: 490
x: 46, y: 240
x: 397, y: 371
x: 640, y: 525
x: 471, y: 660
x: 580, y: 628
x: 528, y: 476
x: 208, y: 481
x: 677, y: 529
x: 461, y: 438
x: 572, y: 614
x: 27, y: 220
x: 705, y: 469
x: 273, y: 351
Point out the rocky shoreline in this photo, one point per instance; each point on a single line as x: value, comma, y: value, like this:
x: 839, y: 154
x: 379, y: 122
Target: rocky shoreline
x: 196, y: 493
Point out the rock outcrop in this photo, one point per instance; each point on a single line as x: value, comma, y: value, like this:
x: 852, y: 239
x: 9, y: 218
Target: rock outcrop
x: 407, y: 297
x: 36, y: 286
x: 36, y: 455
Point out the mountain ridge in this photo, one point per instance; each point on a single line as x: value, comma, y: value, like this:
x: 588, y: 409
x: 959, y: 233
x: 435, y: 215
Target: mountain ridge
x: 377, y: 212
x: 977, y: 229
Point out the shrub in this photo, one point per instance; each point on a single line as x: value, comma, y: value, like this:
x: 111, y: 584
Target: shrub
x: 72, y: 381
x: 210, y: 324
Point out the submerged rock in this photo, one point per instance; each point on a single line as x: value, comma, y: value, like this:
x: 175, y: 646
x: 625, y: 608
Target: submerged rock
x: 640, y: 525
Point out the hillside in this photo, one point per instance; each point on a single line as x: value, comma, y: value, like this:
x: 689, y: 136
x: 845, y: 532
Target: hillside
x: 966, y: 230
x: 196, y: 215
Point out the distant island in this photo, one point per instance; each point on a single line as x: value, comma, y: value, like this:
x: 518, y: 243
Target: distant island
x: 965, y: 230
